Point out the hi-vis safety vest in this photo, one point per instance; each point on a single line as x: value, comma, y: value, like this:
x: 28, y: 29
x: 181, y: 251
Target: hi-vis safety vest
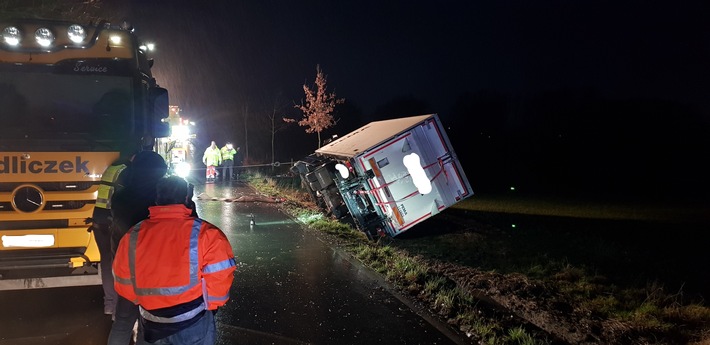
x: 107, y: 185
x: 228, y: 154
x: 212, y: 156
x: 172, y: 258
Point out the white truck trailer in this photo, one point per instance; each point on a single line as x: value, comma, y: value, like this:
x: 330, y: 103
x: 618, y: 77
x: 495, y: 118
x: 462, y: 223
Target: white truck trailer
x: 386, y: 176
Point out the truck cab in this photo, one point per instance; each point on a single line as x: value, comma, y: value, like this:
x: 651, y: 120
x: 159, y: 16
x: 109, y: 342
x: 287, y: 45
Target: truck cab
x: 73, y: 98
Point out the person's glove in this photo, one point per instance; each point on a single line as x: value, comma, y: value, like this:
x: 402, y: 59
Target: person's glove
x: 88, y: 221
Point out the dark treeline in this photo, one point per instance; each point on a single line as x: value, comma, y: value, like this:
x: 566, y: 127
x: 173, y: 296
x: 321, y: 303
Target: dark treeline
x: 574, y: 143
x: 577, y: 143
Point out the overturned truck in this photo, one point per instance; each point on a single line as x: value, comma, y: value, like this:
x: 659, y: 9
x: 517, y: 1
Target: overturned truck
x: 386, y: 176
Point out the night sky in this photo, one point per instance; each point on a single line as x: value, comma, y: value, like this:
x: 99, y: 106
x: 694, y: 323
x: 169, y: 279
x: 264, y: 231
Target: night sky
x: 526, y: 87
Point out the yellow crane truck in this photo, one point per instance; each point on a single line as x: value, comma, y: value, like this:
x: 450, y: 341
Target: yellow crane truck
x: 73, y: 98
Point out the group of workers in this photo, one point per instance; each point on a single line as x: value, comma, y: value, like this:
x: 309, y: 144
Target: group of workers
x: 215, y: 157
x: 164, y: 270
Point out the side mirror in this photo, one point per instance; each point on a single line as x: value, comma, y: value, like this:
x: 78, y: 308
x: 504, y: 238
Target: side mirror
x: 158, y: 109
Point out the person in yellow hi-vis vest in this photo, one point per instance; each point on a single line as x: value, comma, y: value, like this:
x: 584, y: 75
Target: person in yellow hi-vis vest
x: 228, y: 153
x: 212, y: 158
x: 101, y: 226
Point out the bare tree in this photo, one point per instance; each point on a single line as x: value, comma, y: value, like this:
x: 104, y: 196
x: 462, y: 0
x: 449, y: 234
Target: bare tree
x: 319, y: 106
x: 276, y: 126
x: 246, y: 134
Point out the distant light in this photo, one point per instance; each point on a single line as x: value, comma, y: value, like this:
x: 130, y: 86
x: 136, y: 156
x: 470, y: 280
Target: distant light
x: 512, y: 225
x: 147, y: 47
x: 416, y: 171
x: 512, y: 188
x: 180, y: 132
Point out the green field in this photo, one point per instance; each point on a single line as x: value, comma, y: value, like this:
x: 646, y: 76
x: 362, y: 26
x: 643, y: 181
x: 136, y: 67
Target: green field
x: 597, y: 208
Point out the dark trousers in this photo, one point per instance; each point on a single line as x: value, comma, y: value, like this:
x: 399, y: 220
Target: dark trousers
x: 126, y: 316
x: 102, y: 233
x: 227, y: 169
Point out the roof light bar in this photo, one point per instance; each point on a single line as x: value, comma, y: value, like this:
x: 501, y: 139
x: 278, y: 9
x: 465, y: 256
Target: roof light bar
x: 44, y: 37
x: 76, y: 33
x: 11, y: 35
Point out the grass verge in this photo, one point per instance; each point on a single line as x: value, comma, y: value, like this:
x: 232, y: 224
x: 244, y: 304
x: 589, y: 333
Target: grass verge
x: 644, y: 311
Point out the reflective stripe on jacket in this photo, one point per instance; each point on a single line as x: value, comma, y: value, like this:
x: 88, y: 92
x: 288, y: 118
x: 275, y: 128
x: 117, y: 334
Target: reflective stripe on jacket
x: 172, y: 258
x: 108, y: 185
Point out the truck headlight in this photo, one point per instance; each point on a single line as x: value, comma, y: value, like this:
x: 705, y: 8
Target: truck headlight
x: 182, y: 169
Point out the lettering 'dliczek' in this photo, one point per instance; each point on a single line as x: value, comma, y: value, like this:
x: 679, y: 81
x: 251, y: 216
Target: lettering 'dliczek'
x: 15, y: 165
x: 414, y: 167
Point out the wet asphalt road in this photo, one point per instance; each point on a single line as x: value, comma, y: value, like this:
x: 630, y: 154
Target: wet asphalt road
x: 289, y: 288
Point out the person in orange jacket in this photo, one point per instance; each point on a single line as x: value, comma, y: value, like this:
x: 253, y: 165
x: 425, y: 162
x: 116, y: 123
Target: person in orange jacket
x: 176, y: 267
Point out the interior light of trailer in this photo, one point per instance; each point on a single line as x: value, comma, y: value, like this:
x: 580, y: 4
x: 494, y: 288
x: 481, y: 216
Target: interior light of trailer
x: 44, y: 37
x: 11, y: 35
x: 416, y: 171
x: 343, y: 170
x: 115, y: 39
x: 76, y: 33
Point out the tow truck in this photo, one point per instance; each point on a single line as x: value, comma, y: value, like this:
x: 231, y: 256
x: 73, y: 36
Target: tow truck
x: 178, y: 149
x: 73, y: 98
